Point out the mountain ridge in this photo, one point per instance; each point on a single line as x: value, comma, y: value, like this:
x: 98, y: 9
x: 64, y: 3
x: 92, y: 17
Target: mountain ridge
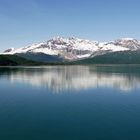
x: 59, y: 49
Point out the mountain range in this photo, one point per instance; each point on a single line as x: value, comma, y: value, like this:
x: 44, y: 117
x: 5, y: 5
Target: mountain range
x: 75, y: 50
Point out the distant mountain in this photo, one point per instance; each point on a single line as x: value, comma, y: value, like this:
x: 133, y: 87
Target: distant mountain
x: 59, y: 49
x: 78, y: 50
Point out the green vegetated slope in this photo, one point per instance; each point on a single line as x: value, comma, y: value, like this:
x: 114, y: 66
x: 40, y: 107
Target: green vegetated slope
x: 41, y: 57
x: 132, y: 57
x: 113, y: 58
x: 13, y: 60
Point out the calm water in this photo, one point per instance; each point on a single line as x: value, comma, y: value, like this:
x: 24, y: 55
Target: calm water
x: 70, y: 103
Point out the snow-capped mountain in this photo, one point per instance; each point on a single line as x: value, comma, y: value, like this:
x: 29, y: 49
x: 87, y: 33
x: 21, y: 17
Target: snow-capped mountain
x: 75, y: 48
x: 129, y: 43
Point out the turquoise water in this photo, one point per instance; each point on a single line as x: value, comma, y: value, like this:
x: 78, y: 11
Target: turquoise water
x: 70, y: 103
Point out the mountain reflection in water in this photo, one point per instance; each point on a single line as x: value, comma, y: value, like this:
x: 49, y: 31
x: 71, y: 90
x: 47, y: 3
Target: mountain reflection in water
x: 59, y: 78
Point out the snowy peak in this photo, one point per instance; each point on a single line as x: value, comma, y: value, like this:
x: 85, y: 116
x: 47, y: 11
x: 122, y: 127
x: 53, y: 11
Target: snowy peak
x: 74, y: 48
x: 71, y: 42
x: 130, y: 43
x: 68, y: 48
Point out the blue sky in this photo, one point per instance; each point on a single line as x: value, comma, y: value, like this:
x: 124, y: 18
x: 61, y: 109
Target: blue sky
x: 23, y: 22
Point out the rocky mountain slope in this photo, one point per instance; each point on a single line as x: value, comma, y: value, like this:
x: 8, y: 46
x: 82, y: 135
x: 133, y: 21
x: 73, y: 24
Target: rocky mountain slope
x: 73, y: 49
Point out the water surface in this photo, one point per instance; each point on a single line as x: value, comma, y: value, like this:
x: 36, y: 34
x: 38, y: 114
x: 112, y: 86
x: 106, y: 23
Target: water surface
x: 70, y: 103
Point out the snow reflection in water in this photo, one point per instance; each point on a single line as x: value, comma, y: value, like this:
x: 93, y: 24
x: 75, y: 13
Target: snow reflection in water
x: 58, y: 78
